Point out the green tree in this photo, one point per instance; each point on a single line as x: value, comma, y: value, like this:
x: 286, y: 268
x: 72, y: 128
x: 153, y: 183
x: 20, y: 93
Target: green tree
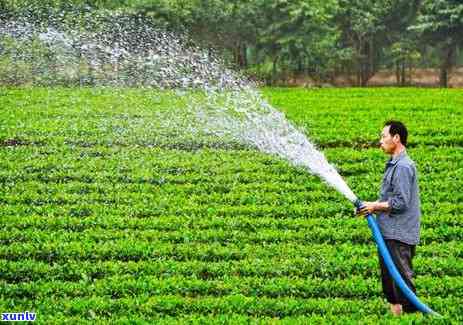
x: 404, y: 54
x: 401, y: 45
x: 362, y: 24
x: 300, y: 35
x: 297, y: 35
x: 230, y: 25
x: 440, y: 22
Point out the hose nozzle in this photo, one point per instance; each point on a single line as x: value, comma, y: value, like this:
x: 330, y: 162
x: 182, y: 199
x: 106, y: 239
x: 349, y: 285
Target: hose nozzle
x: 358, y: 203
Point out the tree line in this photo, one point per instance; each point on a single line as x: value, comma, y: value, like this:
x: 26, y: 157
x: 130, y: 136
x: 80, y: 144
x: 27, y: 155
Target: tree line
x: 270, y: 39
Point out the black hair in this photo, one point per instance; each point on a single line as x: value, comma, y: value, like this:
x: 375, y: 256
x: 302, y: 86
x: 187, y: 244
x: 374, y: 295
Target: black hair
x: 399, y: 128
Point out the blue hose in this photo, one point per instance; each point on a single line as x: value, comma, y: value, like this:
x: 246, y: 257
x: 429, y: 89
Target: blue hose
x: 409, y: 294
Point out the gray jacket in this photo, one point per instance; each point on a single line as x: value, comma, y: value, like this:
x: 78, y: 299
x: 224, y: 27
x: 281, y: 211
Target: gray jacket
x: 400, y: 189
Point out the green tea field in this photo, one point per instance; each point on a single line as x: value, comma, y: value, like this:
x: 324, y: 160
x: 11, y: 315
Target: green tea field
x: 105, y: 218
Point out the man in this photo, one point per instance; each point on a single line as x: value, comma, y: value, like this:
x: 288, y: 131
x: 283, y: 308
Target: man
x: 398, y: 213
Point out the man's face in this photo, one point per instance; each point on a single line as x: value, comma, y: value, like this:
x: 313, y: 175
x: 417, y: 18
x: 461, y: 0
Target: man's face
x: 387, y: 142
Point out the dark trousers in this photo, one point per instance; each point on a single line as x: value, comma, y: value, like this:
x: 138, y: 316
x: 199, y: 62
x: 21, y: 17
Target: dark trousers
x: 402, y: 255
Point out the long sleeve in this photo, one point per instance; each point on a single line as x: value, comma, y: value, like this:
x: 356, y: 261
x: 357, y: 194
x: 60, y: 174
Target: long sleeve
x: 402, y: 184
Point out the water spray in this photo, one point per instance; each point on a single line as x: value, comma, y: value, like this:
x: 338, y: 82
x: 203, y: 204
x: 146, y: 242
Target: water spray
x: 392, y: 269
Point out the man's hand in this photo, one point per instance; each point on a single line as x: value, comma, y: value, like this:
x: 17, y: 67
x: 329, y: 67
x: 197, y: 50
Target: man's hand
x: 368, y: 208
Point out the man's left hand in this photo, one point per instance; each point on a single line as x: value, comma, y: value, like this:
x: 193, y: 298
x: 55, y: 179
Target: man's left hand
x: 368, y: 208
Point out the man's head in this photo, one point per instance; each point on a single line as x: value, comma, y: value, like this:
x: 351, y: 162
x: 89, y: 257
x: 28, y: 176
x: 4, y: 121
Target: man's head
x: 393, y: 137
